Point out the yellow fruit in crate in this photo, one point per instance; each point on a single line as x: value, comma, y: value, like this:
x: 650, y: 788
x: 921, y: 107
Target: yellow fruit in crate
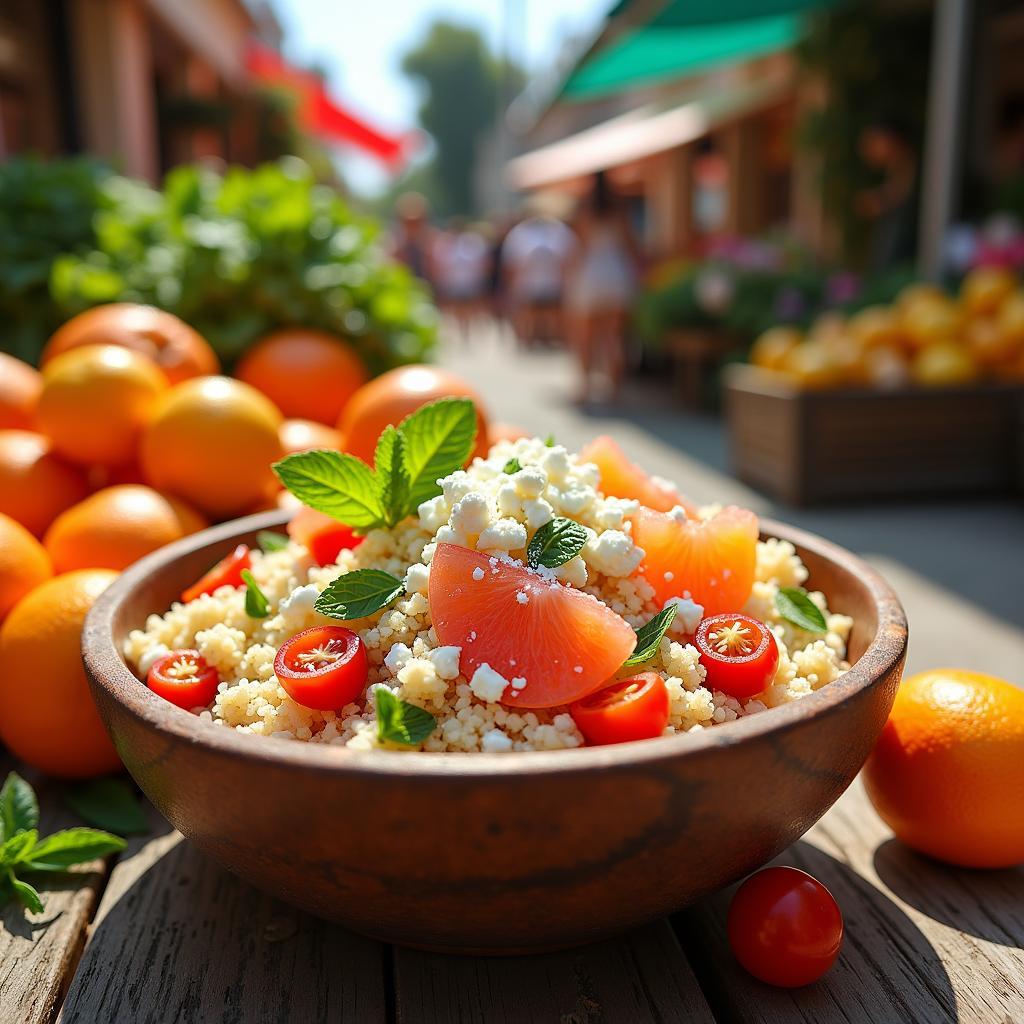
x: 827, y: 326
x: 1011, y: 320
x: 985, y: 289
x: 918, y: 292
x: 876, y: 325
x: 931, y: 320
x: 885, y: 366
x: 989, y: 346
x: 811, y: 365
x: 771, y: 348
x: 944, y: 363
x: 845, y: 352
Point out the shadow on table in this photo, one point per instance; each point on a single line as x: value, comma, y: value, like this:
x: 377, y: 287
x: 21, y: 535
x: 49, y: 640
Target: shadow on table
x: 996, y: 897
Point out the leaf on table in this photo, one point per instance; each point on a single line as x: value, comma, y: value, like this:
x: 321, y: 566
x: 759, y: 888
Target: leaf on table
x: 108, y: 803
x: 19, y: 809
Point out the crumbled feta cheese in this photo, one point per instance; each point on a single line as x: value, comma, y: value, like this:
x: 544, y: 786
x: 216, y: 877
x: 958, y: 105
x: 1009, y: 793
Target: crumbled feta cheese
x: 488, y: 684
x: 152, y: 655
x: 503, y: 535
x: 688, y: 615
x: 555, y: 462
x: 417, y: 579
x: 530, y: 482
x: 434, y: 513
x: 470, y: 514
x: 446, y: 661
x: 478, y: 574
x: 456, y: 486
x: 538, y: 512
x: 573, y: 572
x: 298, y: 605
x: 396, y: 658
x: 613, y: 553
x: 523, y: 597
x: 494, y: 741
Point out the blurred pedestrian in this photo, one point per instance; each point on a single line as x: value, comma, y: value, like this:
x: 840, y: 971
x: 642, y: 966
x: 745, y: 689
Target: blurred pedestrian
x: 534, y: 257
x: 413, y: 239
x: 461, y: 261
x: 886, y: 147
x: 603, y: 276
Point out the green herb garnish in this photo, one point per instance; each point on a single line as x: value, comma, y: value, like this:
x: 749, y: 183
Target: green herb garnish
x: 107, y: 803
x: 354, y: 595
x: 425, y: 447
x: 648, y: 636
x: 23, y: 852
x: 398, y: 721
x: 549, y: 441
x: 512, y: 466
x: 793, y: 604
x: 270, y: 541
x: 256, y: 604
x: 556, y: 542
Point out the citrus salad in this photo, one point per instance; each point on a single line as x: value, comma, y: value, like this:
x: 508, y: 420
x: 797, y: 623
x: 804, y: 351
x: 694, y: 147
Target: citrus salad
x: 533, y: 599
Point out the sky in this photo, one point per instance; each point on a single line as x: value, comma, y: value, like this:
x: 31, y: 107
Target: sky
x: 360, y: 44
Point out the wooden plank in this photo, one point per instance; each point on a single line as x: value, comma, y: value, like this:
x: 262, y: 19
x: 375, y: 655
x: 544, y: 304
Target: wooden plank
x: 38, y: 952
x: 178, y: 938
x: 924, y: 942
x: 641, y: 977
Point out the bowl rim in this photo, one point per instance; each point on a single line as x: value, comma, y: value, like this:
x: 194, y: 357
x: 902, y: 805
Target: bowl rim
x: 107, y: 670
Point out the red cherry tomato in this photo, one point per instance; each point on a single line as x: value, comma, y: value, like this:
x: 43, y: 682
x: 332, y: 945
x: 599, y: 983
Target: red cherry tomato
x: 323, y: 536
x: 322, y: 668
x: 631, y: 709
x: 785, y: 927
x: 226, y: 573
x: 184, y: 678
x: 739, y: 653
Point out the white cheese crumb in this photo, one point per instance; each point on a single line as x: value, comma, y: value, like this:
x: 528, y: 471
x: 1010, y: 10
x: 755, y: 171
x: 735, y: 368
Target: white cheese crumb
x: 688, y: 615
x: 503, y: 535
x: 613, y: 553
x: 488, y: 684
x: 396, y: 658
x: 297, y: 606
x: 153, y: 655
x: 417, y: 579
x: 470, y: 514
x: 446, y: 661
x: 494, y: 741
x: 478, y: 574
x: 523, y: 597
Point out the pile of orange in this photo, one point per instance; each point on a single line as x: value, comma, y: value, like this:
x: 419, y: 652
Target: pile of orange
x: 926, y: 338
x: 127, y: 439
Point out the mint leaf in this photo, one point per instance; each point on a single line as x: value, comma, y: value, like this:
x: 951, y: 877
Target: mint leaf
x: 398, y: 721
x: 18, y: 847
x: 109, y: 804
x: 357, y: 594
x: 27, y: 895
x: 270, y: 541
x: 72, y: 846
x: 512, y: 466
x: 256, y: 604
x: 793, y: 604
x: 392, y: 476
x: 549, y: 441
x: 337, y: 484
x: 19, y: 809
x: 556, y: 542
x: 648, y: 636
x: 439, y: 438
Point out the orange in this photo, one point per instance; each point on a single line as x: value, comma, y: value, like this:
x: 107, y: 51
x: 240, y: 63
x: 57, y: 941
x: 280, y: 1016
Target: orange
x: 711, y: 560
x: 212, y: 442
x: 812, y: 365
x: 947, y: 773
x: 117, y: 526
x: 876, y: 326
x: 23, y: 564
x: 36, y: 485
x: 621, y: 478
x: 47, y: 715
x: 884, y: 366
x: 988, y: 344
x: 985, y: 289
x: 389, y: 398
x: 771, y: 348
x: 176, y: 348
x: 301, y: 435
x: 306, y: 373
x: 560, y: 642
x: 1011, y: 321
x: 931, y: 320
x: 95, y: 402
x: 20, y: 385
x: 943, y: 364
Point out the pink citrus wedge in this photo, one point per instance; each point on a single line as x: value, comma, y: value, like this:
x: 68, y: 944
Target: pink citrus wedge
x: 621, y: 478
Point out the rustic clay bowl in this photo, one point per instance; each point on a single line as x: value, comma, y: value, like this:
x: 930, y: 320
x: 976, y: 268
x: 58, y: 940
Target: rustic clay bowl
x: 500, y: 853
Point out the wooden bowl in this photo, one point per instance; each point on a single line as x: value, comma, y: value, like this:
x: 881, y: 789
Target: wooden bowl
x: 496, y: 853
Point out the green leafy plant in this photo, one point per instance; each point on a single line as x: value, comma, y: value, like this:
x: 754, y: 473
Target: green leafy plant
x: 354, y: 595
x: 648, y: 636
x: 256, y: 604
x: 23, y: 852
x: 794, y: 605
x: 398, y: 721
x: 107, y: 803
x: 558, y: 541
x: 269, y: 541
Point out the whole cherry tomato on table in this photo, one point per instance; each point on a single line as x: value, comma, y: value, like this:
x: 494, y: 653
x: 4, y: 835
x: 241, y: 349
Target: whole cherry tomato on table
x: 323, y: 668
x: 785, y: 927
x: 739, y: 653
x: 184, y: 678
x: 226, y: 573
x: 630, y: 709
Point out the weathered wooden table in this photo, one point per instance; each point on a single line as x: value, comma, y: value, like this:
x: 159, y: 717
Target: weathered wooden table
x: 165, y: 935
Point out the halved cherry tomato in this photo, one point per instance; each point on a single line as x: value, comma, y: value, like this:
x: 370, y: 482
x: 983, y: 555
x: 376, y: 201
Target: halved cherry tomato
x: 630, y: 709
x: 324, y: 667
x: 739, y: 653
x: 226, y: 573
x: 184, y: 678
x: 323, y: 536
x: 785, y: 927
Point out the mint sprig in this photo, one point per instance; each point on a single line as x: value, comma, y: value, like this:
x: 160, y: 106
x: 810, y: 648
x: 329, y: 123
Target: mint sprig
x: 23, y: 852
x: 425, y: 447
x: 354, y: 595
x: 512, y: 466
x: 648, y: 636
x: 107, y: 803
x: 794, y: 605
x: 558, y: 541
x: 398, y: 721
x: 270, y: 542
x: 256, y: 604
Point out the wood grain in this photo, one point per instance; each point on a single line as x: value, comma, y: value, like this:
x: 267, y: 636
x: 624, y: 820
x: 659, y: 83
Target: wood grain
x: 38, y: 952
x: 924, y: 942
x: 176, y: 938
x: 641, y: 977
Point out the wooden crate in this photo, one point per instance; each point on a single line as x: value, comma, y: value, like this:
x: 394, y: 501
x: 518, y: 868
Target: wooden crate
x: 807, y: 447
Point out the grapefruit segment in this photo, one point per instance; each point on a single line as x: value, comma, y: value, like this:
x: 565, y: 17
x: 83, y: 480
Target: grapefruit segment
x: 621, y: 478
x: 712, y: 559
x: 525, y: 625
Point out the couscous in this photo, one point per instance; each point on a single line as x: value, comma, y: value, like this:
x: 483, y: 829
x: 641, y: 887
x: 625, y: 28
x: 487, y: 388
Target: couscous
x: 512, y: 605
